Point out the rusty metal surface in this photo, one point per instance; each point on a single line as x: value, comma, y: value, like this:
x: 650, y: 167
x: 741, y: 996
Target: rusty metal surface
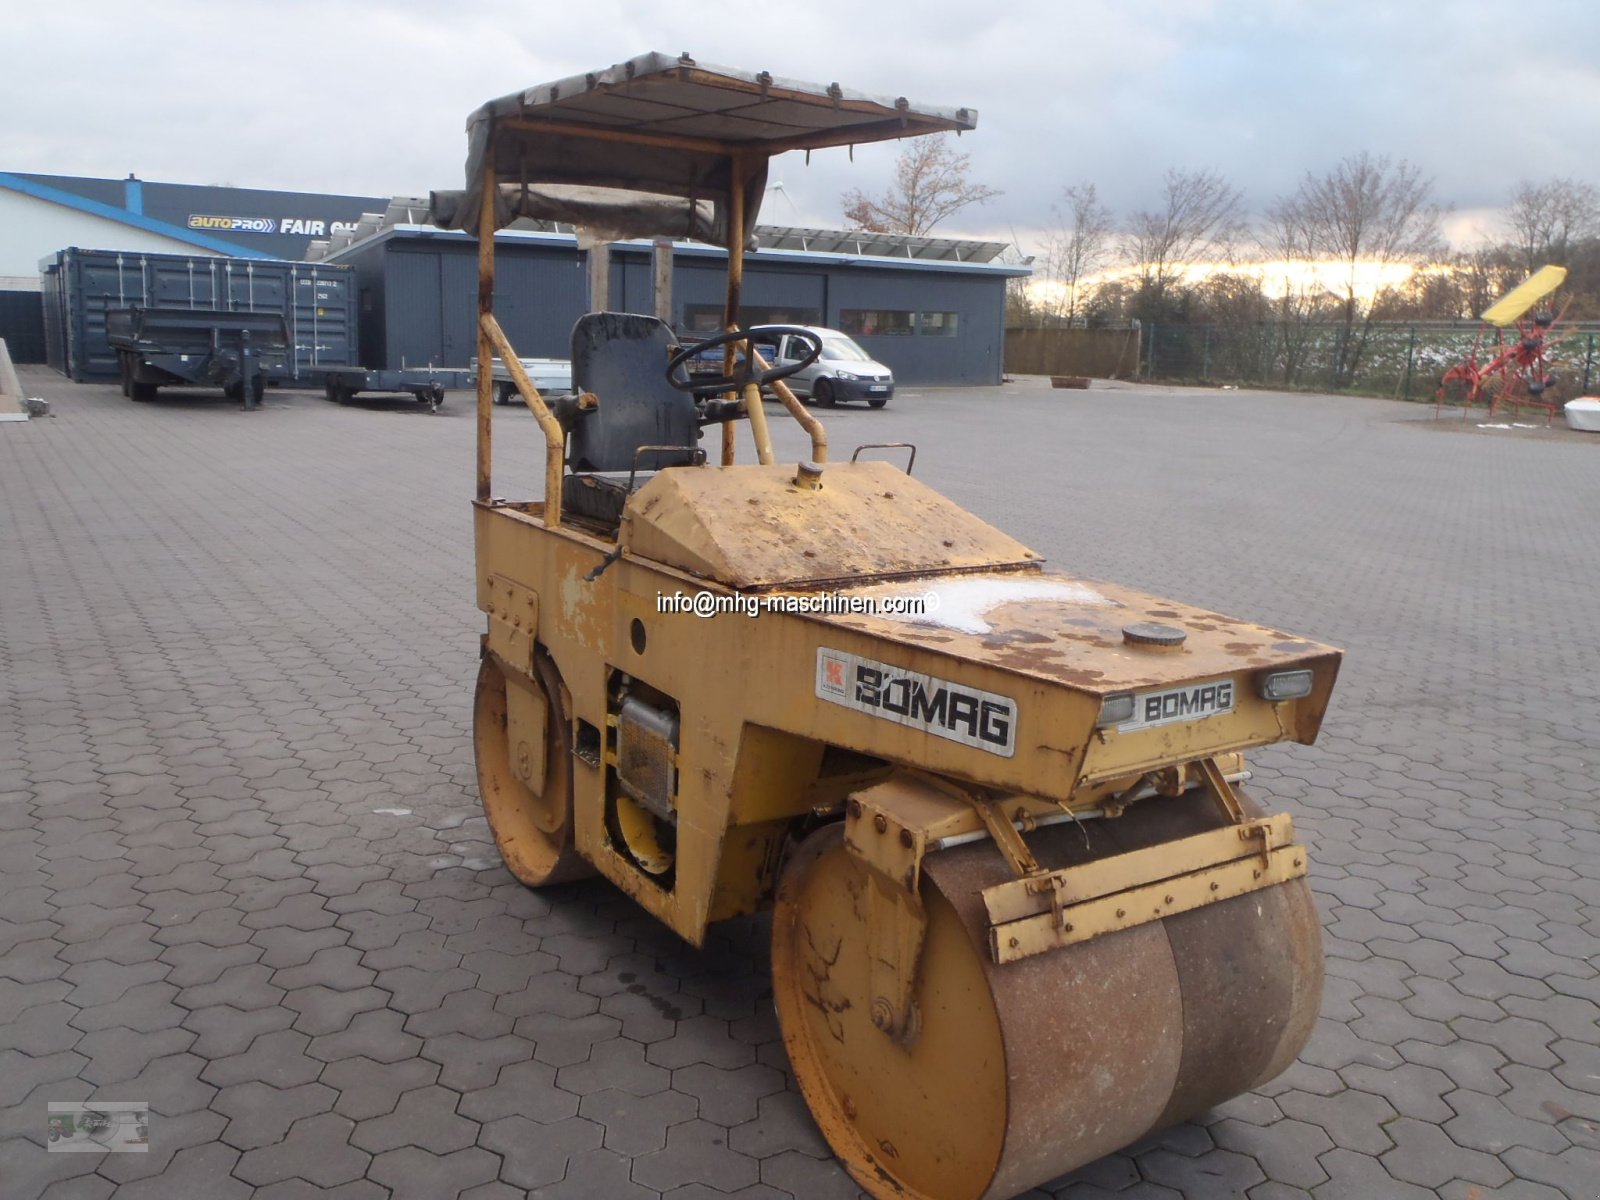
x: 1092, y: 1033
x: 1063, y: 629
x: 752, y: 528
x: 1249, y: 970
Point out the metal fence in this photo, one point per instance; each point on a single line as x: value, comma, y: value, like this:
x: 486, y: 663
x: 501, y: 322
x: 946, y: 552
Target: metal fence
x: 1404, y: 361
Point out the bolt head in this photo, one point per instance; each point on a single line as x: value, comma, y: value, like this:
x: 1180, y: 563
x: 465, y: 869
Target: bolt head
x: 882, y: 1013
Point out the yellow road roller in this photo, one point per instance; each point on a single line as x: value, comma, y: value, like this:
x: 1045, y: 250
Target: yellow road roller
x: 1022, y: 914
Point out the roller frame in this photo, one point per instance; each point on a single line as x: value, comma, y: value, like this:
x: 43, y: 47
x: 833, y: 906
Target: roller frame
x: 891, y: 827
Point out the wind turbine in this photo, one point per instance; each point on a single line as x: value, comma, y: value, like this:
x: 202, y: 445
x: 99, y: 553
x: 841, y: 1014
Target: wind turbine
x: 777, y: 186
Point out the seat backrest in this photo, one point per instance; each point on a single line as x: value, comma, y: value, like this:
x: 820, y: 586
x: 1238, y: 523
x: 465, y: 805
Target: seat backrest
x: 622, y: 359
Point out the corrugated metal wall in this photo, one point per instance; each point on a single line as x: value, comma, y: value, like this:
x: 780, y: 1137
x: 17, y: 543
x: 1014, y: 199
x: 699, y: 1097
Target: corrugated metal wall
x: 318, y: 300
x: 424, y: 300
x: 419, y: 301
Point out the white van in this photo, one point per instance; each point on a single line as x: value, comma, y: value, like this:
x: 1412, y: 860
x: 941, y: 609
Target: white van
x: 843, y: 371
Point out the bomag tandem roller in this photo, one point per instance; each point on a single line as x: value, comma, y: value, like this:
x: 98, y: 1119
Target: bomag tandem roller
x: 1022, y: 916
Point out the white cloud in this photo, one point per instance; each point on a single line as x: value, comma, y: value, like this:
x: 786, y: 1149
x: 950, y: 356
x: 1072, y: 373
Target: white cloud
x: 365, y: 96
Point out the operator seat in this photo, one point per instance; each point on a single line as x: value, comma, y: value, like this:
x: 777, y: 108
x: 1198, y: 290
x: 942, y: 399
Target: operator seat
x: 622, y: 359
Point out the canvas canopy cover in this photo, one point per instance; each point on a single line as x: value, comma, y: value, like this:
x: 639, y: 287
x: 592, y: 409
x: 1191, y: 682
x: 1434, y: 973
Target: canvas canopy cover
x: 653, y: 146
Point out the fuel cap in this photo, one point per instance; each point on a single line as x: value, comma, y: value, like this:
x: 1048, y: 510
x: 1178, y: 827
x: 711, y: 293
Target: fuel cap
x: 1153, y: 633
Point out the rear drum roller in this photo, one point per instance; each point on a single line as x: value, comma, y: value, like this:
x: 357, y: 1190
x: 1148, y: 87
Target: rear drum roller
x: 1019, y: 1073
x: 532, y: 827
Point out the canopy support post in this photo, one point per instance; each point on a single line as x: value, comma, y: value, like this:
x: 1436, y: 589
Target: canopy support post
x: 599, y: 256
x: 661, y: 279
x: 738, y: 178
x: 489, y: 185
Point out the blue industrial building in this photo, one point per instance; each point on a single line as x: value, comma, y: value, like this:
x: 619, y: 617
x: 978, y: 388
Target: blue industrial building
x: 932, y: 310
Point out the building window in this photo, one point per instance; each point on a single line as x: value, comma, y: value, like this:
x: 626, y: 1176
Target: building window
x: 707, y: 318
x: 876, y: 322
x: 939, y: 324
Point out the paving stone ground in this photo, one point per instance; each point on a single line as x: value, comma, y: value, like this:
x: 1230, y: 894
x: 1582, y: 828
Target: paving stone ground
x: 244, y: 877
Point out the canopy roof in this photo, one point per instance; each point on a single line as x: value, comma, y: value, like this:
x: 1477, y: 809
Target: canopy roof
x: 666, y: 126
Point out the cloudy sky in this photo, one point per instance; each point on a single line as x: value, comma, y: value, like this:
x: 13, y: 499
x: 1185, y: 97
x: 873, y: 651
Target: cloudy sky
x: 370, y: 96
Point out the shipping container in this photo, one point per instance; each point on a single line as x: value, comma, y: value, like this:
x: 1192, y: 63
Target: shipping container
x: 317, y: 302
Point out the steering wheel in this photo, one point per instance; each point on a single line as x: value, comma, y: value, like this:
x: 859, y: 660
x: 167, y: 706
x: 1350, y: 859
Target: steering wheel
x: 747, y: 374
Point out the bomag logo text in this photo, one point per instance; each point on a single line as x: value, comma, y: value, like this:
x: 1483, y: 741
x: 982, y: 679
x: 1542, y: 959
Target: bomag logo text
x: 945, y: 706
x: 1200, y: 702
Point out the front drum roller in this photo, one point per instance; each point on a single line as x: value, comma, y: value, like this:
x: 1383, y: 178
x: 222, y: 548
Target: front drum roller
x: 532, y: 826
x: 1019, y: 1073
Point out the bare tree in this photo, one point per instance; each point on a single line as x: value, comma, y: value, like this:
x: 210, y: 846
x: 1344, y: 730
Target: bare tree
x: 1301, y: 298
x: 1200, y: 217
x: 1483, y: 274
x: 1361, y: 218
x: 1079, y: 245
x: 1548, y: 219
x: 932, y: 180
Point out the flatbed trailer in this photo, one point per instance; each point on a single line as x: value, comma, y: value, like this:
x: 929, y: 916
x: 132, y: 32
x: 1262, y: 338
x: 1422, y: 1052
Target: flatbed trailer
x: 552, y: 376
x: 343, y: 385
x: 160, y: 347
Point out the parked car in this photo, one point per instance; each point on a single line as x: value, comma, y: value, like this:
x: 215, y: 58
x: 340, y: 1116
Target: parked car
x: 843, y: 371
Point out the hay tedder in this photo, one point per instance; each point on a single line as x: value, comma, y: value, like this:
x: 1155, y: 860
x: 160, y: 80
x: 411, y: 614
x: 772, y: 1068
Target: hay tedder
x: 1021, y: 914
x: 1511, y: 371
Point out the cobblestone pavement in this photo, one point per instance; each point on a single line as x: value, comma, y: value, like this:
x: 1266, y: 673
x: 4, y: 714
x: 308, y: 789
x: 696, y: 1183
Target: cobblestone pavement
x: 243, y: 874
